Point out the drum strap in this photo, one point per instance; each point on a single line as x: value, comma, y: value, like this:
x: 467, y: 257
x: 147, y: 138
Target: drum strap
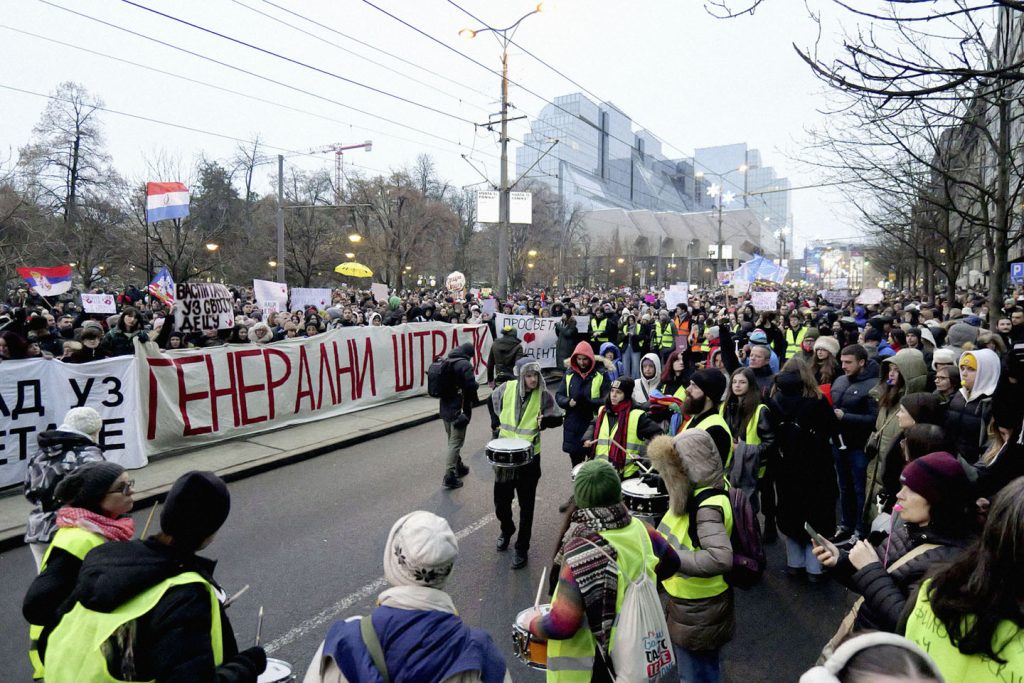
x: 372, y: 644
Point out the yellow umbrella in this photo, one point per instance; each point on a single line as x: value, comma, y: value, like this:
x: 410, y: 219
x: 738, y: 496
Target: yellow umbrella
x: 353, y: 269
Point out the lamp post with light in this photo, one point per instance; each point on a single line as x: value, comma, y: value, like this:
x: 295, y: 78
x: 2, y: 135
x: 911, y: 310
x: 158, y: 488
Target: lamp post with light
x: 715, y: 191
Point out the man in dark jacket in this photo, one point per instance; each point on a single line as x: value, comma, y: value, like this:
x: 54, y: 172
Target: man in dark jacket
x: 856, y: 410
x: 501, y: 365
x: 456, y: 409
x: 179, y: 630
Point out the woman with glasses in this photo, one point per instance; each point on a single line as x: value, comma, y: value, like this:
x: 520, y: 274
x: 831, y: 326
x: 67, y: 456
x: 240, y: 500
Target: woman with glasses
x: 95, y: 500
x: 947, y: 383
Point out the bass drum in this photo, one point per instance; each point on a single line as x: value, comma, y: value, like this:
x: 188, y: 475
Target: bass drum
x: 644, y: 502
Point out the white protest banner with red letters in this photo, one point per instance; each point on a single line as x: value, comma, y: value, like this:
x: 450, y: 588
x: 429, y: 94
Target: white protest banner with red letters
x: 194, y: 397
x: 36, y: 394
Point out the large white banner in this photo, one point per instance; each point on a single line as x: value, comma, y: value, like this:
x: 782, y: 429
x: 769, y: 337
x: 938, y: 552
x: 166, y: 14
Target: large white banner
x: 36, y: 394
x: 195, y: 397
x: 537, y: 334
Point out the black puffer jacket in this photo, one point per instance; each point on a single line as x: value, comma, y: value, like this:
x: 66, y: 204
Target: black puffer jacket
x: 501, y: 361
x: 860, y: 409
x: 462, y: 399
x: 171, y: 641
x: 885, y: 594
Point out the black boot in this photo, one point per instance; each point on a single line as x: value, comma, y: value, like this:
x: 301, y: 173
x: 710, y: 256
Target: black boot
x: 460, y: 469
x: 451, y: 480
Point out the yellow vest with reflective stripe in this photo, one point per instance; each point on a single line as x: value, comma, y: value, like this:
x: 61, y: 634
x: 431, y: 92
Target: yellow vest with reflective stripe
x: 793, y: 344
x: 663, y: 333
x: 930, y: 634
x: 599, y: 328
x: 705, y: 346
x: 74, y: 653
x: 528, y: 427
x: 595, y: 384
x: 572, y: 660
x: 677, y: 530
x: 77, y: 542
x: 606, y: 438
x: 751, y: 437
x: 712, y: 420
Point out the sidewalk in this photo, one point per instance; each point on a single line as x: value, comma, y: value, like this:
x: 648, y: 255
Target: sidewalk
x: 247, y: 456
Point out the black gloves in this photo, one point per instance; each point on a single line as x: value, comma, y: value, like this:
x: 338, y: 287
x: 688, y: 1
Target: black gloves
x: 255, y: 658
x: 654, y: 480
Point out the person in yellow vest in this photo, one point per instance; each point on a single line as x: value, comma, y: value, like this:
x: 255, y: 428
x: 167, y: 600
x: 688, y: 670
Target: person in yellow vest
x: 698, y: 524
x: 620, y: 430
x: 94, y: 500
x: 703, y: 397
x: 795, y: 333
x: 524, y: 406
x: 150, y: 610
x: 753, y: 437
x: 589, y: 593
x: 663, y: 336
x: 968, y: 616
x: 600, y: 330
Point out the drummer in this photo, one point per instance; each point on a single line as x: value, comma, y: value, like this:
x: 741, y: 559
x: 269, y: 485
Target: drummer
x: 621, y: 447
x: 524, y: 406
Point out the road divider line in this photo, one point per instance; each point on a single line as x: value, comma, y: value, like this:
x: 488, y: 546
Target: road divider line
x: 329, y: 614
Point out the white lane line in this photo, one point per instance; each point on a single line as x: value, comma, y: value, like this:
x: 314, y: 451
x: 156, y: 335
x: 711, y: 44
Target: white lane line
x: 369, y: 590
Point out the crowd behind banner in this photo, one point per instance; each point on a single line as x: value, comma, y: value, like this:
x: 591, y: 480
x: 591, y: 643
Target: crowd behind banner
x: 902, y: 414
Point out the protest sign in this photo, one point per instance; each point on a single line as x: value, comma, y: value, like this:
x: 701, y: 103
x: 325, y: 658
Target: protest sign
x: 379, y: 292
x: 834, y: 296
x: 317, y: 297
x: 870, y: 296
x: 35, y: 395
x: 192, y: 397
x: 739, y: 286
x: 202, y: 306
x: 583, y: 324
x: 676, y: 294
x: 765, y: 301
x: 269, y: 307
x: 537, y: 334
x: 268, y: 290
x: 489, y: 305
x: 99, y: 303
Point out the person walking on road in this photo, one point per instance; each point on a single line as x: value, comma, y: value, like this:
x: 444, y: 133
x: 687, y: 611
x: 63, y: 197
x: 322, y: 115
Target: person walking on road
x: 525, y: 407
x: 501, y: 365
x: 414, y: 633
x: 580, y: 395
x: 457, y: 400
x: 150, y: 610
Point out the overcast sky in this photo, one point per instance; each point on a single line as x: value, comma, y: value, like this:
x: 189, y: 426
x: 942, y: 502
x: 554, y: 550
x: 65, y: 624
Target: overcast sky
x: 693, y: 80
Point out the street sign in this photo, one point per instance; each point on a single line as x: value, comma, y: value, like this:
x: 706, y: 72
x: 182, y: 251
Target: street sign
x: 1017, y: 273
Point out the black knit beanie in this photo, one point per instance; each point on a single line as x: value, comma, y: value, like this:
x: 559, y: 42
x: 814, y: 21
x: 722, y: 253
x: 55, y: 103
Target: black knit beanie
x: 196, y: 506
x: 88, y: 485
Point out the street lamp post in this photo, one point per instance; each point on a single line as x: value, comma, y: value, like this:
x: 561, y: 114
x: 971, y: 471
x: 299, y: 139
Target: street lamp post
x: 504, y: 36
x: 716, y: 191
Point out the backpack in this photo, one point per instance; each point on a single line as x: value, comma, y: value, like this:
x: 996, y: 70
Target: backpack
x: 641, y: 651
x: 439, y: 378
x: 748, y: 556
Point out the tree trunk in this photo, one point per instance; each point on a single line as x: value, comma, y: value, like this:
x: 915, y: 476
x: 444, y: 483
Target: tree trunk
x: 1000, y: 250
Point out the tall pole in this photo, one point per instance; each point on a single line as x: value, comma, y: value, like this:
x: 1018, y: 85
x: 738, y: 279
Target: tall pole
x: 718, y: 259
x: 280, y: 218
x: 503, y: 197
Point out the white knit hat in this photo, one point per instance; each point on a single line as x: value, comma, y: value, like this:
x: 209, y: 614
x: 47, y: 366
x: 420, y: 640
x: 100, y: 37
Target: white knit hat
x: 830, y: 344
x: 83, y: 420
x: 420, y: 551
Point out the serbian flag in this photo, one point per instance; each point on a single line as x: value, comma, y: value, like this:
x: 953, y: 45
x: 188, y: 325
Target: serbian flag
x: 162, y: 286
x: 165, y: 201
x: 47, y: 281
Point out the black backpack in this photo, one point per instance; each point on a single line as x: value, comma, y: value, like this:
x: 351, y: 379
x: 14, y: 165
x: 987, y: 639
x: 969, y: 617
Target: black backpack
x: 748, y: 556
x: 440, y: 380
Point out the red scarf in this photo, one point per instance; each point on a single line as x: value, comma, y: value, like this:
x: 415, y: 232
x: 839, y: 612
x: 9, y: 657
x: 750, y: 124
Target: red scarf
x: 617, y: 453
x: 121, y: 529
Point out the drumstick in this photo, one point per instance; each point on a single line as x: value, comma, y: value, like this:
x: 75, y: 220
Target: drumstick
x: 259, y: 625
x: 227, y: 603
x: 540, y: 587
x: 149, y: 520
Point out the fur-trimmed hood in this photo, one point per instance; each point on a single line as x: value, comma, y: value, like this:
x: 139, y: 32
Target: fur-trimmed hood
x: 688, y: 461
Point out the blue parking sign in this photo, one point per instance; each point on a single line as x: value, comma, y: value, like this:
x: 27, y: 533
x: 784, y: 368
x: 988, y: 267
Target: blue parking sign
x: 1017, y: 273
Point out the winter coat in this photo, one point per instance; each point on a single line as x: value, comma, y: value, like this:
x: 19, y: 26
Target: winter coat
x: 707, y: 623
x: 805, y: 477
x: 616, y: 370
x: 61, y: 451
x: 87, y: 355
x: 579, y: 417
x: 633, y: 340
x: 968, y: 412
x: 119, y: 343
x: 460, y: 402
x: 642, y: 388
x: 171, y: 641
x: 885, y: 595
x: 860, y: 408
x: 501, y: 361
x: 747, y: 458
x: 915, y: 379
x: 567, y: 339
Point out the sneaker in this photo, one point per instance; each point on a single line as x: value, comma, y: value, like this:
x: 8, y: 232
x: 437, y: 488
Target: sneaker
x: 451, y: 480
x: 518, y: 560
x: 503, y: 542
x: 461, y: 470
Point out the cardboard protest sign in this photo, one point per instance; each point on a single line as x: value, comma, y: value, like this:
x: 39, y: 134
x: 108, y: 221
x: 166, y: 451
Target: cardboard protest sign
x: 318, y: 297
x: 379, y: 292
x: 537, y: 334
x: 99, y: 303
x: 765, y: 301
x: 203, y: 306
x: 268, y: 290
x: 489, y: 305
x: 870, y: 296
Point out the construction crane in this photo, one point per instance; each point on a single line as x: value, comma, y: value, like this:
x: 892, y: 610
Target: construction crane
x: 339, y: 150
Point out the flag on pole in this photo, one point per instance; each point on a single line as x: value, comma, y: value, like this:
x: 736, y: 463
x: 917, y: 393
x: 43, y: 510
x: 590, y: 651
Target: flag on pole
x: 165, y: 201
x: 47, y: 281
x: 162, y: 286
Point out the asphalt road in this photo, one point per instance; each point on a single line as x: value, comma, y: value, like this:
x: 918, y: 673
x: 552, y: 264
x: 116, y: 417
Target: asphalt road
x: 309, y: 538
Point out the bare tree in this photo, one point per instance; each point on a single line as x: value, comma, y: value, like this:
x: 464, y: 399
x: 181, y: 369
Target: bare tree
x: 311, y: 233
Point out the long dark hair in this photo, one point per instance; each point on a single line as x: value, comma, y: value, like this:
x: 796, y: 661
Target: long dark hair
x: 667, y: 374
x: 891, y: 394
x: 986, y: 581
x: 747, y: 404
x: 825, y: 371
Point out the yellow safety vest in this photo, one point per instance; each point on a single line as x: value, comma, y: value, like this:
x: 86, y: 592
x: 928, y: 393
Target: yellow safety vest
x: 928, y: 632
x: 705, y: 346
x: 572, y: 660
x: 712, y: 420
x: 598, y: 328
x: 528, y: 426
x: 663, y: 333
x: 72, y: 540
x: 595, y: 384
x: 75, y: 654
x: 677, y: 530
x: 751, y: 437
x: 793, y: 344
x: 633, y: 443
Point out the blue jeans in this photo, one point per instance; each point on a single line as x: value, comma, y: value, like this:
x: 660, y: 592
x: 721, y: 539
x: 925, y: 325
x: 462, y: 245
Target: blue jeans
x: 852, y: 470
x: 631, y: 362
x: 799, y: 555
x: 698, y: 666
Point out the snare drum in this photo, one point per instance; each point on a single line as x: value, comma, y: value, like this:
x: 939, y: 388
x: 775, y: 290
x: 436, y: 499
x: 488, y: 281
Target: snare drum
x: 576, y: 469
x: 278, y: 671
x: 644, y: 502
x: 530, y: 651
x: 509, y: 452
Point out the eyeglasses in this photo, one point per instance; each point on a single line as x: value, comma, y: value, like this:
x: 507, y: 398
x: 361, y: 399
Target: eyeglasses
x: 125, y: 488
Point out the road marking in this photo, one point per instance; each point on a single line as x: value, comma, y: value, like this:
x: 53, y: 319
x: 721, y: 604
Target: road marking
x: 369, y: 590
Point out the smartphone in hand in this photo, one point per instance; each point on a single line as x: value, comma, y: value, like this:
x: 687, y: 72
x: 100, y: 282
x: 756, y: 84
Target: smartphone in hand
x: 818, y: 538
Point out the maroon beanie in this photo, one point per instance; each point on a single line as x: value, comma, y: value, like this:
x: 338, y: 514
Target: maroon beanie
x: 937, y: 477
